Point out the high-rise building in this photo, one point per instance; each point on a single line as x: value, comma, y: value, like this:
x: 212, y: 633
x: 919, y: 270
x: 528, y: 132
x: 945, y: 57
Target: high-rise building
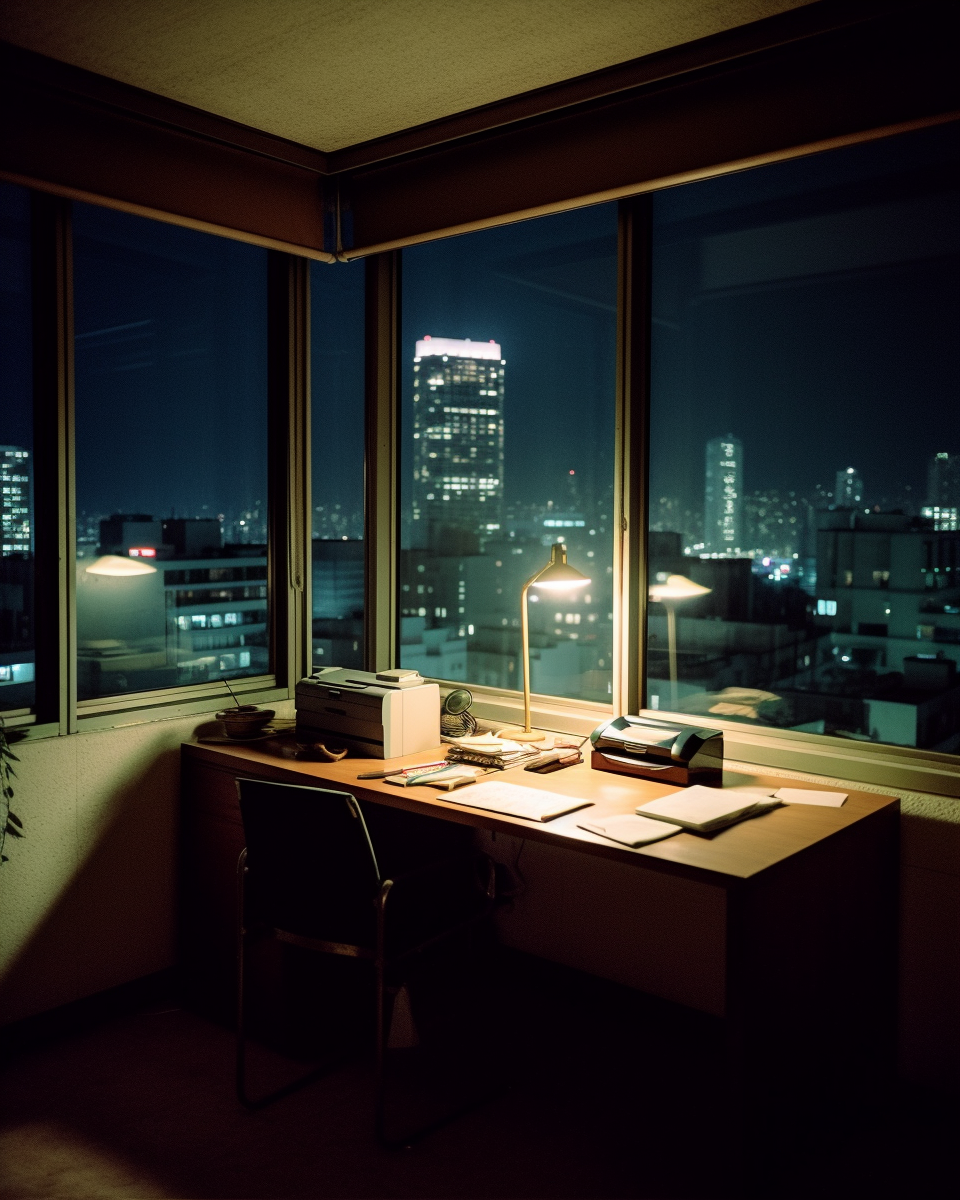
x: 848, y: 490
x: 458, y: 436
x: 943, y: 492
x: 14, y: 500
x: 943, y: 480
x: 723, y: 496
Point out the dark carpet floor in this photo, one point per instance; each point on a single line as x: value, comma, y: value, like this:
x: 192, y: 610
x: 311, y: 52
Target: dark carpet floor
x: 589, y: 1102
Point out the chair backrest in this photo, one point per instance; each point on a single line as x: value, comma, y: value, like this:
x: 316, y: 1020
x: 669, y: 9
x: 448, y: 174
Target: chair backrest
x: 312, y: 869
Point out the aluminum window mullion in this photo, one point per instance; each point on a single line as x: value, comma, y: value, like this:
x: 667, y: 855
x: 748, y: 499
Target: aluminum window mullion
x: 381, y: 471
x: 631, y: 470
x: 54, y: 480
x: 289, y: 472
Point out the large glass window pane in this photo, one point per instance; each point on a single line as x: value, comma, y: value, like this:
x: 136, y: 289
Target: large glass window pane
x: 16, y: 453
x: 171, y: 455
x: 508, y: 365
x: 805, y: 448
x: 337, y: 387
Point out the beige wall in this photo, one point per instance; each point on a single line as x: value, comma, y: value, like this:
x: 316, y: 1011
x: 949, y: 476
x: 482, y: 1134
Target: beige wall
x: 87, y: 900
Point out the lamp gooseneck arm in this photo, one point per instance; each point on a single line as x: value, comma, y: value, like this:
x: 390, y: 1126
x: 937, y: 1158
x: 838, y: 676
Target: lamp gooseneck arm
x: 525, y: 648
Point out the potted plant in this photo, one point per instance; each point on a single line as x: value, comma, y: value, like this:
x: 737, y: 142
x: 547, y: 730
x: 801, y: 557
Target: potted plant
x: 10, y: 823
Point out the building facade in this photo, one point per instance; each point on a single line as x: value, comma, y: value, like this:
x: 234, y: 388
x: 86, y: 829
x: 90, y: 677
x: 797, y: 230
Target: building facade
x: 458, y: 435
x: 14, y: 500
x: 723, y: 496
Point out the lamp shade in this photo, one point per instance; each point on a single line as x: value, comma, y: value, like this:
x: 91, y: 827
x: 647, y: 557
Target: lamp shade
x: 558, y: 575
x: 677, y: 587
x: 114, y: 564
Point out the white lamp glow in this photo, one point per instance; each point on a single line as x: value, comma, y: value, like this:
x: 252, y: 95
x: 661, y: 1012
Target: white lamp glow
x: 669, y: 594
x: 120, y: 568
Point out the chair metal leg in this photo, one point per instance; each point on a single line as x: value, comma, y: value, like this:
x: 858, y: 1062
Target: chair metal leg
x: 380, y: 1100
x: 241, y: 1047
x: 241, y: 1040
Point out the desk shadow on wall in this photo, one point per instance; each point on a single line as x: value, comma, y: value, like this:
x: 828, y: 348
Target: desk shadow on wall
x: 111, y: 918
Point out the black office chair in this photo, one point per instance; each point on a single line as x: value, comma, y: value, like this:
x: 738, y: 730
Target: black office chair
x: 309, y: 876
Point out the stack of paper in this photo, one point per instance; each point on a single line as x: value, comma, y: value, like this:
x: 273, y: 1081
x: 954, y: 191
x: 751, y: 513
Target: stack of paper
x: 706, y: 809
x: 485, y: 750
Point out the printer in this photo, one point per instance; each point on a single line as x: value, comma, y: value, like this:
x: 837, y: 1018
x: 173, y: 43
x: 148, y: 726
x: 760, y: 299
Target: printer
x: 376, y: 714
x: 660, y: 750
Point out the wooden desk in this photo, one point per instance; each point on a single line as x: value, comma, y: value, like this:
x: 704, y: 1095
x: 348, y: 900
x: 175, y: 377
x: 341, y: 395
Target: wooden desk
x: 784, y: 925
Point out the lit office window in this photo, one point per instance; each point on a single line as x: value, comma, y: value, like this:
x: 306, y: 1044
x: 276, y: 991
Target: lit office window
x: 805, y: 445
x: 16, y: 453
x: 171, y: 459
x: 337, y: 443
x: 508, y: 364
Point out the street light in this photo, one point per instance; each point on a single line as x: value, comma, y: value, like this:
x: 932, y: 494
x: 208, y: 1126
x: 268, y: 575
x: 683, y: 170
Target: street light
x: 670, y: 594
x: 556, y: 576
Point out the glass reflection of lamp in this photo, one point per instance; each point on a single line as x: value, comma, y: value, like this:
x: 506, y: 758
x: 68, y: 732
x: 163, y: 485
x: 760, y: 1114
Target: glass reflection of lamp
x: 114, y: 564
x: 669, y: 594
x: 556, y: 576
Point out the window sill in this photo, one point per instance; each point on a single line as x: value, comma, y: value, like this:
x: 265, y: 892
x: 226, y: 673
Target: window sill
x: 900, y: 767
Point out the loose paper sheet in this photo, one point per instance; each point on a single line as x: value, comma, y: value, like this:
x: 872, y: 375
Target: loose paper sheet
x: 808, y: 796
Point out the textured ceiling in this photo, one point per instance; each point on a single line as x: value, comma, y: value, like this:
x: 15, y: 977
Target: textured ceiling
x: 331, y: 73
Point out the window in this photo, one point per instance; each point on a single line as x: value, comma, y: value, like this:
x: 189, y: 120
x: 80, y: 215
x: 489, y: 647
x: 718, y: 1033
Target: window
x: 508, y: 364
x: 805, y: 445
x: 337, y: 445
x: 171, y: 459
x: 16, y: 454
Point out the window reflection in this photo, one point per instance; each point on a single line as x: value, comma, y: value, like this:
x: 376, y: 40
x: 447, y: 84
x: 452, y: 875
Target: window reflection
x: 508, y: 367
x: 805, y: 444
x: 17, y: 664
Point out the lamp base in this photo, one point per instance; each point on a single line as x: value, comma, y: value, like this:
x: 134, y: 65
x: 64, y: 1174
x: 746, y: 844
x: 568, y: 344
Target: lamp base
x: 522, y: 735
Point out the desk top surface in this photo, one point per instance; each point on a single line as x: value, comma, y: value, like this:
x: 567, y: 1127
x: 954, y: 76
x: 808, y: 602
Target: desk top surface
x: 735, y: 853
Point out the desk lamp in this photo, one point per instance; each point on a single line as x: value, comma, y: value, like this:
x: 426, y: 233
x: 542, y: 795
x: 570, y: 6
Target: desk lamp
x: 557, y: 576
x: 669, y: 594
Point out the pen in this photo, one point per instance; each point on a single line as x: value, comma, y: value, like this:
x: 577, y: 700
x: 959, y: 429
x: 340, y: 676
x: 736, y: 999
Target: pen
x: 401, y: 770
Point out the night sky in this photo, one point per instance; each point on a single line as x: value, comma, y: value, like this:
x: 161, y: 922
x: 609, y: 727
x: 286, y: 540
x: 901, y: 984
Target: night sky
x: 810, y: 308
x: 546, y: 290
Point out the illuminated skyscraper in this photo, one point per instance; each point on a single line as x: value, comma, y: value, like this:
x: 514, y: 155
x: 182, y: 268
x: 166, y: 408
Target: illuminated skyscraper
x: 458, y: 436
x: 848, y: 491
x: 943, y: 491
x: 14, y: 500
x: 723, y: 496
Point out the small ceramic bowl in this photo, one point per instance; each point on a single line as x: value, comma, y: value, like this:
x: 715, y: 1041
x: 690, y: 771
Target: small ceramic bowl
x: 245, y: 721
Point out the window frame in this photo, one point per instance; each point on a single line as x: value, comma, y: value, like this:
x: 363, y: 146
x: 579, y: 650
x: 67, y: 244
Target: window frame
x: 883, y: 764
x: 57, y: 710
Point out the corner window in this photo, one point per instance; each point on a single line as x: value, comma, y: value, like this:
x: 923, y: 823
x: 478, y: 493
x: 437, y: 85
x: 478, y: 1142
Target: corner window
x: 17, y: 663
x: 508, y: 377
x: 171, y: 459
x: 337, y: 447
x: 805, y: 446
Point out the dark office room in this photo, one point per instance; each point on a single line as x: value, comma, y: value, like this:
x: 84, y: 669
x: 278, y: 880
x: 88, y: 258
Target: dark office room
x: 479, y: 599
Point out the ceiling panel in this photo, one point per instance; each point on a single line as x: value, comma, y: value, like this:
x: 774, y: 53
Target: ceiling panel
x: 333, y: 73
